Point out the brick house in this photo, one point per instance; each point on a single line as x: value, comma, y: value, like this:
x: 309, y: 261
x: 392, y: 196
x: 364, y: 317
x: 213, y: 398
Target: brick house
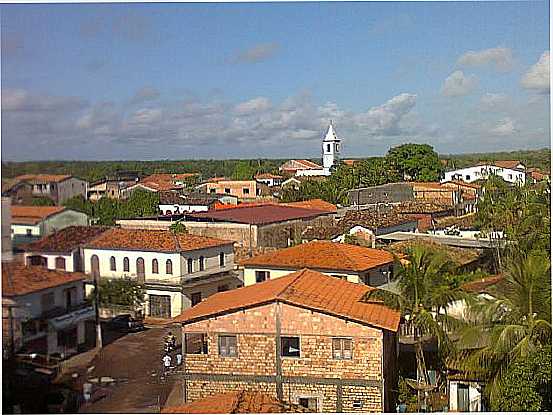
x: 306, y: 338
x: 354, y: 263
x: 177, y: 270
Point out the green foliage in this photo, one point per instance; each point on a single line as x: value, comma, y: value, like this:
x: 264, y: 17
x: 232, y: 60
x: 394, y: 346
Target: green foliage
x: 417, y: 162
x: 407, y: 395
x: 527, y: 384
x: 177, y: 227
x: 376, y: 171
x: 531, y: 158
x: 42, y: 201
x: 121, y: 291
x: 80, y: 204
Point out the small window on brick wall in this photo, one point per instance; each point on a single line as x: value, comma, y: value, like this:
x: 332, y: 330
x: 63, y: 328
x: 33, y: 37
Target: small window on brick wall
x: 357, y: 404
x: 227, y: 346
x: 309, y: 403
x: 290, y: 346
x: 195, y: 343
x: 341, y: 349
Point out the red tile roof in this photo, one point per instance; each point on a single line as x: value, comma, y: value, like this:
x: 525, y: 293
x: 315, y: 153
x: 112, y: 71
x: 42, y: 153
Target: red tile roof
x: 305, y: 288
x: 482, y: 285
x: 31, y: 215
x: 317, y: 204
x: 267, y: 176
x: 238, y: 402
x: 258, y: 214
x: 66, y: 239
x: 152, y: 240
x: 19, y: 279
x: 323, y: 255
x: 462, y: 184
x: 43, y: 178
x: 507, y: 164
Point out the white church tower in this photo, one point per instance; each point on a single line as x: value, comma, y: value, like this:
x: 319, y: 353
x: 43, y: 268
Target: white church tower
x: 331, y: 150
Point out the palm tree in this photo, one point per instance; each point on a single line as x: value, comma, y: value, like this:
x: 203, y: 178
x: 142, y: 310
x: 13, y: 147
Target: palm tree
x: 422, y: 292
x: 512, y: 323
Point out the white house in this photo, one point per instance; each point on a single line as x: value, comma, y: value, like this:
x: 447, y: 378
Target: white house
x: 269, y: 179
x: 512, y: 171
x: 43, y: 311
x: 30, y: 223
x: 173, y: 203
x: 177, y: 270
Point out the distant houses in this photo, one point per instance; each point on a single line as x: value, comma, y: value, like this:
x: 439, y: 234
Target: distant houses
x: 512, y: 171
x: 56, y: 187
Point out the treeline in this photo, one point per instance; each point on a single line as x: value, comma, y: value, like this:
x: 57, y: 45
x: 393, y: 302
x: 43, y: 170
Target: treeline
x: 531, y: 158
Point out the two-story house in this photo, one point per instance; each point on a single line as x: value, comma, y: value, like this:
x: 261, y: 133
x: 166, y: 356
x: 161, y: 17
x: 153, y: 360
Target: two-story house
x: 58, y: 187
x: 178, y: 270
x: 306, y: 338
x: 30, y: 223
x: 44, y: 311
x: 353, y: 263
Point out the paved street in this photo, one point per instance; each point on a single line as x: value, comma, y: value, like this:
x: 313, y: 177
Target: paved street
x: 134, y: 362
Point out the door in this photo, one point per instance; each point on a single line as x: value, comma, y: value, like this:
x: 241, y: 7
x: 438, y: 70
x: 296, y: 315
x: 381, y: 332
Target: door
x: 160, y: 306
x: 140, y: 273
x: 463, y: 397
x: 95, y: 266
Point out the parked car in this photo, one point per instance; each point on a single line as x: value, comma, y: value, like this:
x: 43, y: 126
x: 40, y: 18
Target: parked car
x: 126, y: 322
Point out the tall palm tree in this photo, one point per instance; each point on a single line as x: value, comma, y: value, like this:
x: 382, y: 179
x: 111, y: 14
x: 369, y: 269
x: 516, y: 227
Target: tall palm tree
x: 422, y: 292
x: 510, y: 324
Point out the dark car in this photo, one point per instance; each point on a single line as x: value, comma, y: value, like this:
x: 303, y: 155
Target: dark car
x: 126, y: 322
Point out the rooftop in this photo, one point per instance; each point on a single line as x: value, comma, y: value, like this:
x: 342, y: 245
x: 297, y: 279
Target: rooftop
x: 258, y: 214
x: 237, y: 402
x: 66, y: 239
x: 301, y: 164
x: 460, y: 256
x: 482, y: 285
x: 31, y: 215
x: 317, y: 204
x: 507, y: 164
x: 152, y: 240
x: 43, y: 178
x: 19, y: 279
x: 323, y: 255
x: 305, y: 288
x: 421, y: 207
x: 267, y: 176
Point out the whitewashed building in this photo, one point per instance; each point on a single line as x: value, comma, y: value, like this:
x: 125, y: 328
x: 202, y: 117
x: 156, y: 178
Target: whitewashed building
x: 512, y: 171
x: 177, y: 270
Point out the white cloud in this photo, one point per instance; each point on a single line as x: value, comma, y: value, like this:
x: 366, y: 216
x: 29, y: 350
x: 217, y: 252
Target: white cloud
x: 500, y: 57
x: 457, y: 84
x: 146, y: 116
x: 253, y: 105
x: 494, y: 101
x: 537, y: 77
x: 146, y: 93
x: 504, y: 127
x: 257, y: 53
x: 385, y: 119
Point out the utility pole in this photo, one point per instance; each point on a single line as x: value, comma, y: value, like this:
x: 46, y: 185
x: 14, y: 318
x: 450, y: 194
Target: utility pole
x: 96, y: 276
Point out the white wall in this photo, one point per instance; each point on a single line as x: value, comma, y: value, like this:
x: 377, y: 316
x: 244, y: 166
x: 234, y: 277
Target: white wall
x: 51, y: 260
x: 312, y: 172
x: 475, y: 397
x: 175, y: 209
x: 482, y: 172
x: 22, y: 230
x: 249, y: 274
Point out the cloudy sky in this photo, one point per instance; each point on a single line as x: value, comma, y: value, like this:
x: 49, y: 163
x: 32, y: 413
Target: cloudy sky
x: 177, y: 81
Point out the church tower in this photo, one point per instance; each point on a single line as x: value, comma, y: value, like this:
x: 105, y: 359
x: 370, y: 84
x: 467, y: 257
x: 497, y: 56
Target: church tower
x: 331, y: 150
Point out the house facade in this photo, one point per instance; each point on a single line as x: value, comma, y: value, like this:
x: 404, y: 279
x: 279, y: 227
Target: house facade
x: 305, y: 338
x: 30, y: 223
x: 242, y: 189
x: 56, y: 187
x: 353, y: 263
x: 177, y: 270
x: 269, y: 179
x: 173, y: 203
x: 512, y: 171
x: 44, y: 311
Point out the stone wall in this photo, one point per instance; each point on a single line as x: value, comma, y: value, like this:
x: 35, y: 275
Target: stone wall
x: 284, y: 234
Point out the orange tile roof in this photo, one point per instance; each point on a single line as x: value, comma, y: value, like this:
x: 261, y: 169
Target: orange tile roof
x: 152, y: 240
x: 19, y: 279
x: 430, y: 185
x: 317, y: 204
x: 267, y: 176
x: 507, y: 164
x: 43, y: 178
x: 324, y: 255
x: 32, y: 215
x: 481, y: 285
x: 461, y: 184
x: 351, y: 162
x: 66, y: 239
x: 237, y: 402
x: 305, y: 288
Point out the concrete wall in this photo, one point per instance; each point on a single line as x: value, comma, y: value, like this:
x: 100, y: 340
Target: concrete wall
x: 63, y: 220
x: 70, y: 188
x: 386, y: 193
x: 471, y: 174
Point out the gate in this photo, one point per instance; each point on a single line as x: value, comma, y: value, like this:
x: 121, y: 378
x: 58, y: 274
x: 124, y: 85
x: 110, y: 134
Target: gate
x: 160, y: 306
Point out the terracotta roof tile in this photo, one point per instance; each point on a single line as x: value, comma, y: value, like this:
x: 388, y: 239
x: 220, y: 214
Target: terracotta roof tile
x: 317, y: 204
x: 258, y: 214
x: 43, y: 178
x: 507, y: 164
x: 152, y: 240
x: 19, y: 279
x: 323, y: 255
x: 33, y: 214
x: 304, y: 288
x: 482, y: 285
x: 267, y: 176
x: 66, y: 239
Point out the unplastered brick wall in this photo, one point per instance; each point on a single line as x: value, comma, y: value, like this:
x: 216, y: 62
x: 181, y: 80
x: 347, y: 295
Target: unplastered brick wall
x: 279, y: 234
x: 199, y: 389
x: 326, y: 395
x: 361, y: 399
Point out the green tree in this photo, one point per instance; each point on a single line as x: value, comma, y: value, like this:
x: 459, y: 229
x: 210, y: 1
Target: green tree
x: 121, y: 291
x: 177, y: 227
x: 376, y: 171
x: 510, y: 325
x: 80, y: 204
x: 417, y: 162
x: 42, y: 201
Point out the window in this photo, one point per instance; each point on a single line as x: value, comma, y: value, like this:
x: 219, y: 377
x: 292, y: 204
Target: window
x: 467, y: 177
x: 227, y: 346
x: 195, y: 343
x: 29, y: 232
x: 60, y: 263
x: 222, y: 288
x: 510, y: 176
x: 95, y: 266
x: 126, y: 264
x: 222, y: 259
x: 357, y: 404
x: 112, y: 265
x: 246, y: 191
x: 168, y: 267
x: 290, y: 346
x: 328, y: 148
x: 196, y: 298
x: 309, y: 403
x: 201, y: 261
x: 341, y: 349
x: 212, y: 190
x: 261, y: 276
x: 155, y: 267
x: 227, y: 190
x: 36, y: 260
x: 47, y: 301
x: 190, y: 266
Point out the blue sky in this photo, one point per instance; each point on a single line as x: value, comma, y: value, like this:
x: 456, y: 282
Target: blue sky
x: 153, y: 81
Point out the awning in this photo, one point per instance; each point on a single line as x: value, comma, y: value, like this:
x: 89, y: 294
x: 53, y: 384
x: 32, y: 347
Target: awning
x: 70, y: 319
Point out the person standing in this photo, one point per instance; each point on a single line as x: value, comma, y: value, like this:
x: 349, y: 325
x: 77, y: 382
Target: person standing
x: 166, y: 363
x: 179, y: 358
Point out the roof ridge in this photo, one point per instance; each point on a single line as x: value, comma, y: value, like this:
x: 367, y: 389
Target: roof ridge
x: 178, y: 248
x: 300, y: 274
x: 343, y: 251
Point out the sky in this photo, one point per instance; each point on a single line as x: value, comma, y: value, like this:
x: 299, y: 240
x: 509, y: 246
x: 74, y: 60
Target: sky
x: 263, y: 80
